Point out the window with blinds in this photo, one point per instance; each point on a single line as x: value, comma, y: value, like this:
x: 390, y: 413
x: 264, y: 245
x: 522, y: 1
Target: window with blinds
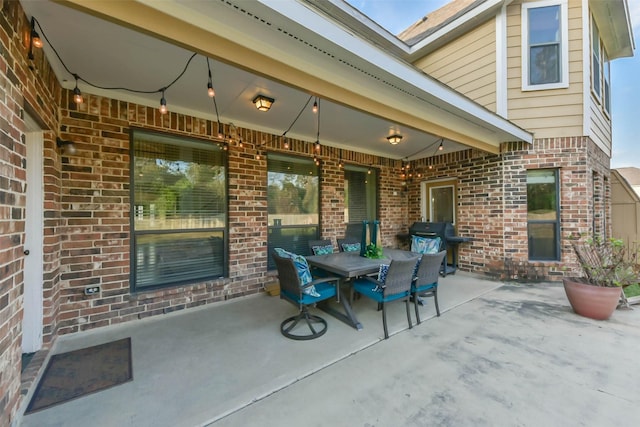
x: 361, y: 194
x: 293, y: 200
x: 179, y: 210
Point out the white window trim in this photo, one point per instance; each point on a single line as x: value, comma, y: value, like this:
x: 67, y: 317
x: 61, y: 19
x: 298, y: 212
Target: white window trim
x: 596, y: 94
x: 564, y: 45
x: 606, y: 78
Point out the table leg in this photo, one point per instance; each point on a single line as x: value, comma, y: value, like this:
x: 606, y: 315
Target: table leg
x: 347, y: 317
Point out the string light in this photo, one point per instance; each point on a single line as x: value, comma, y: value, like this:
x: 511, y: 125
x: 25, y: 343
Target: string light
x: 163, y: 104
x: 315, y: 106
x: 77, y: 95
x: 210, y: 90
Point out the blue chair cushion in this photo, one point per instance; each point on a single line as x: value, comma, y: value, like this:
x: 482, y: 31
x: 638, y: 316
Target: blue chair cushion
x: 369, y: 289
x: 423, y: 288
x: 351, y: 247
x: 322, y: 250
x: 425, y: 245
x: 324, y: 291
x: 302, y: 268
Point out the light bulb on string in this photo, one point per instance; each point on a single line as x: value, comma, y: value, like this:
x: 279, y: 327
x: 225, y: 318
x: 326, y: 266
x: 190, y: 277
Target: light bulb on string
x: 77, y: 95
x: 210, y: 90
x: 315, y: 106
x: 163, y: 104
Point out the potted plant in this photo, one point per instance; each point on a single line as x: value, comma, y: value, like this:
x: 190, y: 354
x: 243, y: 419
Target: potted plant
x: 607, y: 268
x: 373, y: 251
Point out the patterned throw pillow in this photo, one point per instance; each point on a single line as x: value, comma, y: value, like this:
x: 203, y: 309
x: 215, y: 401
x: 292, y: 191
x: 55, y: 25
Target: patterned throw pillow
x: 322, y: 250
x: 351, y: 247
x: 382, y: 272
x: 382, y: 277
x: 302, y: 268
x: 425, y: 245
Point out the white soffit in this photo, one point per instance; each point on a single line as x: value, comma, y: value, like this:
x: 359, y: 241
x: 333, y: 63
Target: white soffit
x: 614, y: 22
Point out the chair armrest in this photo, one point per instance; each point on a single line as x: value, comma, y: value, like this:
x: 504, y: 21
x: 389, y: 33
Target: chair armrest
x: 320, y: 280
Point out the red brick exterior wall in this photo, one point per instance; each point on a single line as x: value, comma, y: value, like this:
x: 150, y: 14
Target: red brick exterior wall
x: 492, y: 203
x: 95, y: 206
x: 25, y: 87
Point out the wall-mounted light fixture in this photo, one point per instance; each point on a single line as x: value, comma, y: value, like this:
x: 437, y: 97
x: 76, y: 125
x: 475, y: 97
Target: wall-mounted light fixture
x: 67, y: 147
x: 394, y: 139
x: 263, y: 103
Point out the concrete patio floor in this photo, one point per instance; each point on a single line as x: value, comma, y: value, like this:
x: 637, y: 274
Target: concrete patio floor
x: 500, y: 355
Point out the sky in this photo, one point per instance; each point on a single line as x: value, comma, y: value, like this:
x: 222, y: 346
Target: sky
x: 397, y: 15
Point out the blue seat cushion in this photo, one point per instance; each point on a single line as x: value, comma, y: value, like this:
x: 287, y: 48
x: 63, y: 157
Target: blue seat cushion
x: 425, y: 245
x: 324, y: 291
x: 423, y: 288
x: 370, y: 290
x: 304, y: 273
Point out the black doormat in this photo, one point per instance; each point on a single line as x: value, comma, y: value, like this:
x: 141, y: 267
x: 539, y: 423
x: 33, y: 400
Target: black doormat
x: 80, y: 372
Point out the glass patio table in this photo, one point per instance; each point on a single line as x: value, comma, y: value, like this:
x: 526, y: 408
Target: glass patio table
x: 347, y: 265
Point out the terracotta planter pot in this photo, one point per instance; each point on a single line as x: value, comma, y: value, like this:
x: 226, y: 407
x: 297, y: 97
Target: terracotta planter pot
x: 594, y: 302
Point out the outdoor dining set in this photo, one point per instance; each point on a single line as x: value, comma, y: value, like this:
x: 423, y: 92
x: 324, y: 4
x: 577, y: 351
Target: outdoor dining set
x: 328, y: 277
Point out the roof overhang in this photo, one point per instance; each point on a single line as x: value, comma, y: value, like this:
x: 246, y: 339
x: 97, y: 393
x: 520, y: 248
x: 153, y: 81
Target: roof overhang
x: 614, y: 22
x: 292, y: 43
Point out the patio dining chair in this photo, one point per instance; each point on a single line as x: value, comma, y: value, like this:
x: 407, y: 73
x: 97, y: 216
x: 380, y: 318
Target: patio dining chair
x: 297, y: 287
x: 393, y: 284
x: 425, y: 282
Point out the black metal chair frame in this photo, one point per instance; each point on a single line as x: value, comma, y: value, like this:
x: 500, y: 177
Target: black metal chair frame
x: 291, y: 290
x: 397, y: 286
x: 425, y: 284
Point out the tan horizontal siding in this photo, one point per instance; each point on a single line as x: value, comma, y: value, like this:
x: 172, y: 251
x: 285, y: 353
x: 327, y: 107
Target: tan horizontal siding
x: 600, y: 125
x: 467, y: 64
x: 553, y: 112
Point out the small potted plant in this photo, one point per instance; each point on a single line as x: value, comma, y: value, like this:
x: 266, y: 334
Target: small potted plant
x: 608, y: 267
x: 373, y: 251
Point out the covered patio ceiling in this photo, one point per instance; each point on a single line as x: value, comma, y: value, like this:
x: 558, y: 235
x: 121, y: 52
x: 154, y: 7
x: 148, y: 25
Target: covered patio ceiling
x: 289, y: 51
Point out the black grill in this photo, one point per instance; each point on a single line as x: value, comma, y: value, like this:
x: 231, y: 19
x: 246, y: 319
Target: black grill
x: 447, y: 235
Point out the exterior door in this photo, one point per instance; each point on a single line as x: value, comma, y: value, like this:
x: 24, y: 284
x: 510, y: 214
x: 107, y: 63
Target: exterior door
x: 32, y: 322
x: 439, y: 201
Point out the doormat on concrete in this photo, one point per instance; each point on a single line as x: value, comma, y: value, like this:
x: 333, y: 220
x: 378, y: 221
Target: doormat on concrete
x: 80, y: 372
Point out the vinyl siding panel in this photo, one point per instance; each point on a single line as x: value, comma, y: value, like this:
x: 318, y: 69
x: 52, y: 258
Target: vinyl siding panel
x: 468, y: 64
x: 553, y: 112
x: 600, y: 126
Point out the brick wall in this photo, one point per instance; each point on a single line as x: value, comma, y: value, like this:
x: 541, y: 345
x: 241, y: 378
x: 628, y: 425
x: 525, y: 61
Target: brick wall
x: 25, y: 87
x: 492, y: 202
x: 94, y: 211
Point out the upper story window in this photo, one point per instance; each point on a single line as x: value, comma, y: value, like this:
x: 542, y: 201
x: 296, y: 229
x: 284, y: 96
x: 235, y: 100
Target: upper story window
x: 596, y: 60
x: 179, y: 210
x: 545, y: 40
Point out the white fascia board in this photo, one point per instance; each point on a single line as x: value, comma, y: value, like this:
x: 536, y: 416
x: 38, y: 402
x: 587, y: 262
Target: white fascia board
x: 390, y: 64
x: 371, y: 25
